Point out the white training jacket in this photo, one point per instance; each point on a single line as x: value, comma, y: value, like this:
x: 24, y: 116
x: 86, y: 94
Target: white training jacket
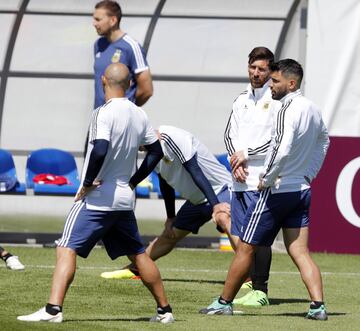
x: 299, y: 143
x: 249, y: 130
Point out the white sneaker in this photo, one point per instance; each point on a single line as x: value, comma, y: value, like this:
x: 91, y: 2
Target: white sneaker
x: 163, y: 318
x: 42, y: 316
x: 13, y: 263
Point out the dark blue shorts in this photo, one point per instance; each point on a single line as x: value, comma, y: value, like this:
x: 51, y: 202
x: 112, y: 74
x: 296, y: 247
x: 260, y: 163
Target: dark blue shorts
x: 258, y: 217
x: 117, y: 229
x: 192, y: 217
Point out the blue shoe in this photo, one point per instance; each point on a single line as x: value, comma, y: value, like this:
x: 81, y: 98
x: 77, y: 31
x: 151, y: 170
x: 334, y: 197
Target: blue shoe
x: 317, y: 314
x: 217, y: 308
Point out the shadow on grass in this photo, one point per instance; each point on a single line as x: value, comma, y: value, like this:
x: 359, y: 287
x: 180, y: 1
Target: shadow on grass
x: 280, y: 301
x: 194, y: 281
x: 109, y: 319
x: 302, y: 315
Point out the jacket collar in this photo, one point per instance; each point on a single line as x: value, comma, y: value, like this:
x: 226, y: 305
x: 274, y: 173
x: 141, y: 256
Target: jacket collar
x: 290, y: 96
x: 258, y: 93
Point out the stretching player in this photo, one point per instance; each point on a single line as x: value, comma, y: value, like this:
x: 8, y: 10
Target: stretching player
x: 191, y: 169
x: 104, y: 204
x: 297, y: 150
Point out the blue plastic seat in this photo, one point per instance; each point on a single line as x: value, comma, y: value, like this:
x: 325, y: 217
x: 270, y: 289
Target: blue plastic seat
x: 8, y: 172
x: 223, y: 159
x: 56, y: 162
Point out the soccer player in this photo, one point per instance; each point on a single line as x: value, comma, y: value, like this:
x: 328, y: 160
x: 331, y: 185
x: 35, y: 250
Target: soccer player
x: 247, y: 137
x: 191, y: 169
x: 115, y: 46
x: 104, y: 204
x: 12, y: 262
x: 297, y: 150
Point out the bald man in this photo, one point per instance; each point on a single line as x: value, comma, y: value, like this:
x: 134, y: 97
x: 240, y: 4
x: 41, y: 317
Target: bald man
x: 104, y: 204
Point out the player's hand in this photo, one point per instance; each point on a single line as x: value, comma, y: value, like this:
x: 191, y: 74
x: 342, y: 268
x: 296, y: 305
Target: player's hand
x: 85, y: 190
x: 241, y: 173
x: 261, y: 186
x: 169, y: 230
x: 220, y: 208
x: 237, y: 159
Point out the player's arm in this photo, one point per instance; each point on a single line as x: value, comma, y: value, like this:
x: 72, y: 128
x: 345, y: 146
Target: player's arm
x: 318, y: 156
x: 236, y: 148
x: 152, y: 158
x: 168, y: 194
x: 96, y: 161
x: 144, y: 88
x: 280, y: 147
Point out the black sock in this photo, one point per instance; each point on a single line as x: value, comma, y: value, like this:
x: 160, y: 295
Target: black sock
x: 223, y: 301
x: 134, y: 271
x: 5, y: 257
x: 260, y: 269
x: 53, y: 309
x: 163, y: 310
x: 316, y: 304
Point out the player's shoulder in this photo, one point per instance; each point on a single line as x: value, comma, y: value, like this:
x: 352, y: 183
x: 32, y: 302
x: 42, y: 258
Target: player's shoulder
x: 242, y: 96
x: 130, y: 42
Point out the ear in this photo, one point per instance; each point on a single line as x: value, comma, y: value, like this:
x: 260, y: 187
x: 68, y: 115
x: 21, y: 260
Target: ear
x: 292, y: 84
x: 113, y: 20
x: 103, y: 80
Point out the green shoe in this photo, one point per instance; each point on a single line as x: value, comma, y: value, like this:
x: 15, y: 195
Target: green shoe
x: 247, y: 286
x: 317, y: 314
x: 217, y: 308
x: 254, y: 298
x: 243, y: 299
x: 119, y: 274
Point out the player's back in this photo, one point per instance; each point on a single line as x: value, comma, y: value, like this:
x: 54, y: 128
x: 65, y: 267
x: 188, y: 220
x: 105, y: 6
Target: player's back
x: 129, y: 128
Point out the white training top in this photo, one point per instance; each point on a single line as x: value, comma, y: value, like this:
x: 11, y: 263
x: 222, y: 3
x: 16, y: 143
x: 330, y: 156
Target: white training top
x: 126, y: 127
x: 180, y: 146
x: 249, y: 130
x: 298, y: 146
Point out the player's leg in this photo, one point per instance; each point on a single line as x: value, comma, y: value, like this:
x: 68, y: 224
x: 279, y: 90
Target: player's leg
x: 164, y: 244
x: 75, y: 235
x: 296, y: 242
x: 63, y: 274
x: 259, y: 274
x: 223, y: 221
x: 245, y: 224
x: 296, y: 235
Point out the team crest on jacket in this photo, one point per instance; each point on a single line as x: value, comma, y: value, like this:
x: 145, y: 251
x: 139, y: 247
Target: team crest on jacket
x: 116, y: 56
x: 266, y: 105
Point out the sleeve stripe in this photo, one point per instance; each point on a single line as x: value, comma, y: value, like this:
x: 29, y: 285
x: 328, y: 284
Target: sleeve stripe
x: 260, y: 149
x: 279, y: 135
x: 94, y: 124
x: 93, y: 132
x: 173, y: 147
x: 228, y: 143
x: 137, y: 51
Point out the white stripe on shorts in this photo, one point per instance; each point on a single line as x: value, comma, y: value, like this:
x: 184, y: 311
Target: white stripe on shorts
x: 256, y: 214
x: 69, y: 224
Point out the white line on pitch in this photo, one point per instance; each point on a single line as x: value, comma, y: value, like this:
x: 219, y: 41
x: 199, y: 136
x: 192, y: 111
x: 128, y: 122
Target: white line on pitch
x: 325, y: 273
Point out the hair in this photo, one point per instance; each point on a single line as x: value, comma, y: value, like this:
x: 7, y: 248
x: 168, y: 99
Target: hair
x: 261, y: 53
x: 112, y: 8
x: 289, y: 67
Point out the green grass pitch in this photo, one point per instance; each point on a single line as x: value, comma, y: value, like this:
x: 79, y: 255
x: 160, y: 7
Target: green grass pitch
x: 192, y: 279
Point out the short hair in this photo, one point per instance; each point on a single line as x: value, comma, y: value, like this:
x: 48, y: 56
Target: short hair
x: 289, y: 67
x: 261, y: 53
x: 112, y: 8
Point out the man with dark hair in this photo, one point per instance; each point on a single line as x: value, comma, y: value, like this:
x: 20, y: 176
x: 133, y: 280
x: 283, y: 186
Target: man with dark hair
x: 113, y: 46
x: 104, y: 204
x: 247, y: 138
x: 299, y: 143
